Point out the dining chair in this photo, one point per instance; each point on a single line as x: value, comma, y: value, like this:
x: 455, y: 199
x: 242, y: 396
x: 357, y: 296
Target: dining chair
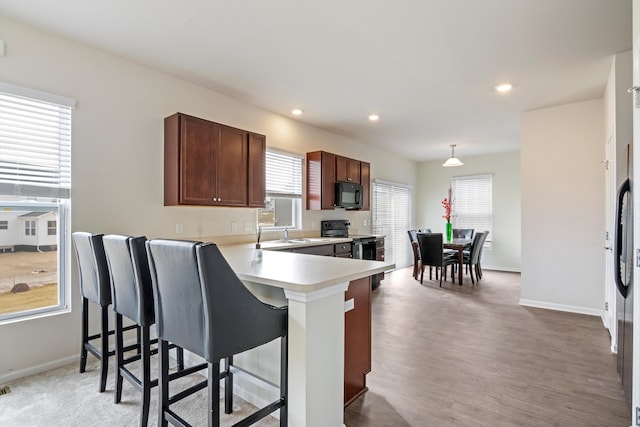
x: 202, y: 306
x: 416, y: 250
x: 479, y: 264
x: 463, y: 233
x: 132, y: 297
x: 471, y: 260
x: 432, y: 254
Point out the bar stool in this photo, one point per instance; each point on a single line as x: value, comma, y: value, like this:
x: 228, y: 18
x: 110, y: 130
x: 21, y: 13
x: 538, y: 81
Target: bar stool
x: 132, y: 297
x: 202, y: 306
x: 95, y: 287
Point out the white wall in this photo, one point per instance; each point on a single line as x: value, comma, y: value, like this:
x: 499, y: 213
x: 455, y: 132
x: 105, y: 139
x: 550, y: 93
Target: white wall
x: 563, y: 207
x: 434, y: 180
x: 117, y: 163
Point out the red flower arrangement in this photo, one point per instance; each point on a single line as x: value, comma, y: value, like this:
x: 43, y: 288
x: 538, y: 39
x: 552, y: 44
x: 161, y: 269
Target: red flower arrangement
x: 446, y: 204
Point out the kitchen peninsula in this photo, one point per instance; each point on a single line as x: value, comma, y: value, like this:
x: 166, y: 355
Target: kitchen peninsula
x: 314, y: 289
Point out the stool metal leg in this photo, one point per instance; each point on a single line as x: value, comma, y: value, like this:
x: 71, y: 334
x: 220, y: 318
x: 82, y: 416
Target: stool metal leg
x: 284, y: 379
x: 119, y: 357
x: 214, y: 394
x: 163, y: 382
x: 104, y: 357
x: 228, y: 386
x: 85, y: 334
x: 146, y: 374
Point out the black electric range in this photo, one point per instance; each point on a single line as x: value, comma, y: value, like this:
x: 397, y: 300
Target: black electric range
x: 362, y: 246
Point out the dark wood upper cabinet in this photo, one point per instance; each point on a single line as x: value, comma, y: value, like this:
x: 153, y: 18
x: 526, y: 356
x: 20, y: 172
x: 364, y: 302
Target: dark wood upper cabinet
x: 347, y: 169
x: 365, y: 181
x: 210, y: 164
x: 325, y: 169
x: 257, y: 170
x: 321, y: 178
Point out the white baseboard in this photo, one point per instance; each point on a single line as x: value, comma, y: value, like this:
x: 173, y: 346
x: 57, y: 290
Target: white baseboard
x: 508, y: 269
x: 38, y: 369
x: 563, y: 307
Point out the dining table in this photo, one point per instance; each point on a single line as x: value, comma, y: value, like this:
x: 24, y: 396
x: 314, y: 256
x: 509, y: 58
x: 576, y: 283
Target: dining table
x: 460, y: 245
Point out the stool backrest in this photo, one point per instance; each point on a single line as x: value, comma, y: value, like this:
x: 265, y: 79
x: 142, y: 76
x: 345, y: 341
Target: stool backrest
x: 176, y: 293
x: 92, y: 267
x: 201, y: 304
x: 131, y: 290
x: 237, y: 320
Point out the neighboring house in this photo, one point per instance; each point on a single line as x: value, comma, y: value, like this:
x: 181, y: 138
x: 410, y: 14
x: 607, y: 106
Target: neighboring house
x: 28, y: 231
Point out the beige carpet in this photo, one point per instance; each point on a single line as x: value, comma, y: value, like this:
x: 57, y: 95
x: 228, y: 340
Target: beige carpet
x: 64, y: 397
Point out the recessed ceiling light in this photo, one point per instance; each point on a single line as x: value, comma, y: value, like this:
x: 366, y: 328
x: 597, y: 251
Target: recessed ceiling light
x: 296, y: 112
x: 374, y: 117
x: 504, y: 87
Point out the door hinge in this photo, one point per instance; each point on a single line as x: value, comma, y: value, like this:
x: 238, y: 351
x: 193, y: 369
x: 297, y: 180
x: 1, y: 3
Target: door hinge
x: 606, y: 306
x: 637, y: 416
x: 637, y: 257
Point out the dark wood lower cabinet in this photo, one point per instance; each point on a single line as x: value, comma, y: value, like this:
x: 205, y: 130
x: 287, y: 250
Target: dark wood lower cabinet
x: 357, y: 339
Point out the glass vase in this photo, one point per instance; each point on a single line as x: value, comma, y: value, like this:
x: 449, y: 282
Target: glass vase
x: 449, y: 231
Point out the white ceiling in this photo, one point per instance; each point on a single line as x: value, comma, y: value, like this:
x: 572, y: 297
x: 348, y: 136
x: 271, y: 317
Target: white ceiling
x: 427, y: 67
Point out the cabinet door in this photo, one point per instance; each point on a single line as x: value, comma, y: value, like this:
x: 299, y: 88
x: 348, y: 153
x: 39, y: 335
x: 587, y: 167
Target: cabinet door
x: 231, y: 167
x: 357, y: 339
x: 347, y: 169
x: 198, y: 139
x: 365, y: 181
x: 257, y: 177
x: 328, y: 181
x: 326, y: 250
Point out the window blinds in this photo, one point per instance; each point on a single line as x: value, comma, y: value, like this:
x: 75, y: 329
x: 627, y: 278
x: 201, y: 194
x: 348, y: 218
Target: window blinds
x: 35, y: 144
x: 473, y: 202
x: 392, y: 218
x: 284, y: 175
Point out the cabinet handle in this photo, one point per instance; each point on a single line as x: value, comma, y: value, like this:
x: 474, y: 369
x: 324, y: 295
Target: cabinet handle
x: 348, y: 179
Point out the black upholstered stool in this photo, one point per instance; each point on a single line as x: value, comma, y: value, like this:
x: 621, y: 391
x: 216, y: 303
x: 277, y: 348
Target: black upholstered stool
x: 94, y: 287
x: 132, y: 297
x: 202, y: 306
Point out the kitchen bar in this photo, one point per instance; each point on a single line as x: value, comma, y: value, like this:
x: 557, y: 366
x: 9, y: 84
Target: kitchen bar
x: 314, y: 289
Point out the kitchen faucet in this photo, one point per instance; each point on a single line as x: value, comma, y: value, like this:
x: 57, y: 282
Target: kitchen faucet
x: 285, y: 234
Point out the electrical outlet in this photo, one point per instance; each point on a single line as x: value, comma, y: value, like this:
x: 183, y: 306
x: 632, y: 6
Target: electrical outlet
x: 248, y: 227
x: 179, y: 228
x: 234, y: 227
x: 365, y: 222
x: 313, y: 225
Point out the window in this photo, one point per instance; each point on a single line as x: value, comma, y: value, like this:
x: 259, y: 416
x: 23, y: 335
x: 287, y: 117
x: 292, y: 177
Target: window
x: 35, y: 181
x: 284, y: 190
x: 473, y: 203
x: 29, y: 228
x: 392, y: 218
x: 4, y: 225
x: 52, y: 228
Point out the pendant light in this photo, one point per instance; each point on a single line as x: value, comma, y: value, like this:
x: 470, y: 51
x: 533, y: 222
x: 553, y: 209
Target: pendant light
x: 452, y: 161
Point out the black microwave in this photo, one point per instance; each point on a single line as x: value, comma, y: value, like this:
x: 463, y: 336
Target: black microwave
x: 348, y: 195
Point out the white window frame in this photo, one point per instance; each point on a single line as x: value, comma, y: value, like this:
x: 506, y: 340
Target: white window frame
x: 392, y: 218
x: 50, y: 228
x: 469, y: 213
x: 44, y: 186
x: 291, y: 191
x: 30, y: 227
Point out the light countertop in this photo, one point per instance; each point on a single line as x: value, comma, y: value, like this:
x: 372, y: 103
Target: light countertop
x: 298, y: 272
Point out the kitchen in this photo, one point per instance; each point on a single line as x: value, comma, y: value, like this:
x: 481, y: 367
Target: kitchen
x: 118, y: 161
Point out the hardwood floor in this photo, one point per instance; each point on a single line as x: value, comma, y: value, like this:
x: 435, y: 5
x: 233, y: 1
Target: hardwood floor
x: 463, y: 355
